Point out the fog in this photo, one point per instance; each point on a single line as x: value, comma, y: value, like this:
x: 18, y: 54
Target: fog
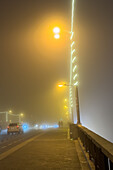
x: 95, y: 39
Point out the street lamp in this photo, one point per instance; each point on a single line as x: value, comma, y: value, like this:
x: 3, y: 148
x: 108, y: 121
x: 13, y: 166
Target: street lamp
x: 73, y: 67
x: 56, y: 36
x: 65, y: 100
x: 20, y: 116
x: 10, y: 111
x: 56, y: 30
x: 77, y: 100
x: 62, y: 84
x: 66, y: 107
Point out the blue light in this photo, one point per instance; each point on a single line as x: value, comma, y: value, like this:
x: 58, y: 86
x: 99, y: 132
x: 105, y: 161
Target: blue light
x: 55, y: 126
x: 25, y: 126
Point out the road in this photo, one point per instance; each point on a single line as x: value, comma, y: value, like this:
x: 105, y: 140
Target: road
x: 39, y: 149
x: 9, y: 141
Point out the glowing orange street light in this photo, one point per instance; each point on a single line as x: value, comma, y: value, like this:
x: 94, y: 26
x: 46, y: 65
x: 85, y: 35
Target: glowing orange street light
x: 56, y: 30
x: 56, y: 36
x: 65, y: 107
x: 65, y: 100
x: 21, y: 114
x: 67, y: 113
x: 10, y: 111
x: 61, y: 85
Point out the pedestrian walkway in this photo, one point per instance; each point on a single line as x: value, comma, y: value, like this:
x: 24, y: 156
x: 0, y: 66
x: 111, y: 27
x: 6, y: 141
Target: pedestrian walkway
x: 50, y: 151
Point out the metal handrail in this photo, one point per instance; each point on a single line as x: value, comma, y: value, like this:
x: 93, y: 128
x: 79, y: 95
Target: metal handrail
x: 100, y: 150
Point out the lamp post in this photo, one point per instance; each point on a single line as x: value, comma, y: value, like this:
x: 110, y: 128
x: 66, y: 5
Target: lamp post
x: 77, y: 101
x: 73, y: 67
x: 20, y: 116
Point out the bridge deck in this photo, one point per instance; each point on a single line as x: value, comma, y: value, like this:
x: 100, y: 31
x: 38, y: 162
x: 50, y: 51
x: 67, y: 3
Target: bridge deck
x: 51, y: 150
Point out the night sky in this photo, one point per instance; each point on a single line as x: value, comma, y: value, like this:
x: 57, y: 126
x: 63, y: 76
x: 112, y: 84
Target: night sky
x: 32, y: 61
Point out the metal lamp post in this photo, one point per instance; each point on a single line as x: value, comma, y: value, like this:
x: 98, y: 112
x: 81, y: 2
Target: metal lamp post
x: 77, y: 101
x: 73, y: 69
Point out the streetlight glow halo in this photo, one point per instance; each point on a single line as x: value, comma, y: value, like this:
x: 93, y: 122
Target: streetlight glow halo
x: 56, y: 30
x: 56, y: 36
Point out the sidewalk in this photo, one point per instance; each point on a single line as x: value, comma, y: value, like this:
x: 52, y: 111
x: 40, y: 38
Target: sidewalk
x: 51, y: 151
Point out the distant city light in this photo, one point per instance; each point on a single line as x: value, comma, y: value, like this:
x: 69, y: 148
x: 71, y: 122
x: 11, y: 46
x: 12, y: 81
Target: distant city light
x: 55, y: 126
x: 45, y: 126
x: 10, y: 111
x: 25, y: 126
x: 21, y: 114
x: 36, y: 126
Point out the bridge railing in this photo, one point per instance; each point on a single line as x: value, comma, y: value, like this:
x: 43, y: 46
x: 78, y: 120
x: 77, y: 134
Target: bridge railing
x: 100, y: 150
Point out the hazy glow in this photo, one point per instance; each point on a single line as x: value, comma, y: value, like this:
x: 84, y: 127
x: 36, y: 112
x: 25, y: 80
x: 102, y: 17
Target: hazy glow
x: 55, y: 126
x: 67, y: 113
x: 21, y: 114
x: 25, y: 126
x: 60, y: 85
x: 10, y: 111
x: 65, y: 107
x: 56, y: 30
x: 36, y: 126
x: 65, y: 100
x: 56, y: 36
x: 45, y: 126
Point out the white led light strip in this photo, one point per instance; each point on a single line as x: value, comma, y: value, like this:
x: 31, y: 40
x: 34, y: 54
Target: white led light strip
x: 75, y: 84
x: 73, y: 59
x: 73, y: 51
x: 74, y: 68
x: 72, y: 44
x: 74, y: 76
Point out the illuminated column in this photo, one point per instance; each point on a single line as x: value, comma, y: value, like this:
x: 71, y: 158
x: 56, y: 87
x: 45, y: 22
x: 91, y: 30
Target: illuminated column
x: 73, y: 71
x: 71, y: 58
